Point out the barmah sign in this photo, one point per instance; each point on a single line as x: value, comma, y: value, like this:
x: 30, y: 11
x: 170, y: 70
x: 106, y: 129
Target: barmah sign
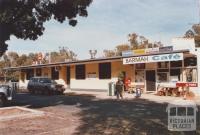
x: 153, y: 58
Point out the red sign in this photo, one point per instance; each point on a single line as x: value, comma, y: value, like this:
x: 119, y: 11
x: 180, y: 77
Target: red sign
x: 40, y: 56
x: 181, y: 84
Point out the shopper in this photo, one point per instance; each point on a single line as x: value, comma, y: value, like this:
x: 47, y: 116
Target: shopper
x: 119, y: 87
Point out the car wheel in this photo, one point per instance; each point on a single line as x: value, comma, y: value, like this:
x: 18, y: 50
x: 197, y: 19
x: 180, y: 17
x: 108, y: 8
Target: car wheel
x: 2, y: 101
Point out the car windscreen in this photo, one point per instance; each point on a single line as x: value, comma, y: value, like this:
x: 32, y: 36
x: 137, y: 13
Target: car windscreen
x: 45, y: 80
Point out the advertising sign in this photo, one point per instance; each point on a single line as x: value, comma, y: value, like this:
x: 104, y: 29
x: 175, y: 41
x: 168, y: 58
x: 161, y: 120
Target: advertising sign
x: 186, y: 84
x: 153, y: 58
x: 139, y: 51
x: 127, y: 53
x: 166, y: 49
x: 152, y: 50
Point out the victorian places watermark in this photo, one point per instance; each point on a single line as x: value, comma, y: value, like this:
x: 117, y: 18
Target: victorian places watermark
x: 182, y: 115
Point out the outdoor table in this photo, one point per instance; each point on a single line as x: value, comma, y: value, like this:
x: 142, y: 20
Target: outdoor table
x: 166, y: 88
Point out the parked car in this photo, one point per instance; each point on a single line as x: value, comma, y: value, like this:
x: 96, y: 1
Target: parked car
x: 6, y: 94
x: 44, y: 85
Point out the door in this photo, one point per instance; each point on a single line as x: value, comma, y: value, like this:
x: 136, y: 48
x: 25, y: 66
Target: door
x: 150, y: 80
x: 68, y: 76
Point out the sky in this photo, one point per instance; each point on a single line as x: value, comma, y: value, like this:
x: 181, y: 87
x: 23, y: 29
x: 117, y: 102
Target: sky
x: 110, y: 21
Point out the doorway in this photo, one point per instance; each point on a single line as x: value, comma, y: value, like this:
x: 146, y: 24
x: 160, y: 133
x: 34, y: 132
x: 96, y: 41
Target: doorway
x: 150, y: 80
x: 68, y: 76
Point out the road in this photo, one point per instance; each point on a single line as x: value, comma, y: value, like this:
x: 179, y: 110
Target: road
x: 85, y: 114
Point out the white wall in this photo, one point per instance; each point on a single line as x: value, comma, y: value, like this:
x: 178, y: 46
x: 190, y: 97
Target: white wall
x: 91, y: 83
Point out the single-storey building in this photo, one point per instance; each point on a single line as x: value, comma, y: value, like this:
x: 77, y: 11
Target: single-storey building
x: 174, y: 65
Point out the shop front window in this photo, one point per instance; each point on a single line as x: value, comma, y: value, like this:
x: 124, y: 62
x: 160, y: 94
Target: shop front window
x: 140, y: 66
x: 176, y: 63
x: 162, y: 76
x: 190, y: 61
x: 190, y: 75
x: 139, y: 76
x: 163, y: 64
x: 175, y: 74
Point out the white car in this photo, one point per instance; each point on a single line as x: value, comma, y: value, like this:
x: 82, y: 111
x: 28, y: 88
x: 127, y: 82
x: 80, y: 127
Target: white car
x: 6, y: 94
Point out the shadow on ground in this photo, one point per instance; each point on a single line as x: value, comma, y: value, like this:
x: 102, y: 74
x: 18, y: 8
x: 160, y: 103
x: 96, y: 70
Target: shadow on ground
x: 110, y: 117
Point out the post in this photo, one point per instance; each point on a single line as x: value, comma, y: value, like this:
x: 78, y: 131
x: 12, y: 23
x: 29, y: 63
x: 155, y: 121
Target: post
x: 198, y: 70
x: 49, y: 57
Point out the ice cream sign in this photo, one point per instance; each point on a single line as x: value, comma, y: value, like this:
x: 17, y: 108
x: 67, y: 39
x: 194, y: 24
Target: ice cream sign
x: 153, y: 58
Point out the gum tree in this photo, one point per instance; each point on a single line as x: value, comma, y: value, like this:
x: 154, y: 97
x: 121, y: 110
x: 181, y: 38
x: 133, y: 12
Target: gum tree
x: 25, y: 18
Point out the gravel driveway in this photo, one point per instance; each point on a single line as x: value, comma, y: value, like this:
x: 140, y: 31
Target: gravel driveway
x: 85, y: 114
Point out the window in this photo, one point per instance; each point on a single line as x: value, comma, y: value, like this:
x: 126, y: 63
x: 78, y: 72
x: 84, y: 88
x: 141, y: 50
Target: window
x: 140, y: 66
x: 38, y: 71
x: 104, y: 70
x: 162, y: 77
x: 139, y: 76
x: 54, y: 73
x: 176, y: 63
x: 190, y: 75
x: 175, y: 74
x: 163, y: 64
x: 190, y: 61
x: 80, y: 71
x: 162, y: 70
x: 45, y: 80
x: 34, y: 79
x: 29, y: 74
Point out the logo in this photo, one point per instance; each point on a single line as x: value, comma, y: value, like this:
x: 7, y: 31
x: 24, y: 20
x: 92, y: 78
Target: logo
x: 182, y: 115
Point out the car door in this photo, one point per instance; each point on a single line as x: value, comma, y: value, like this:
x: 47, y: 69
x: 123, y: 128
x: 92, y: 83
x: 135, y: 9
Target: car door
x: 40, y: 84
x: 36, y: 83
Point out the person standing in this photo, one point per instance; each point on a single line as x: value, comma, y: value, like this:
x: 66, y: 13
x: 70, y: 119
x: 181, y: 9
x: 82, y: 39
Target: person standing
x: 119, y: 87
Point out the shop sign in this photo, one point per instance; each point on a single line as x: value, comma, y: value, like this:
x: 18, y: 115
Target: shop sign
x: 166, y: 57
x: 166, y: 49
x: 153, y: 58
x: 127, y: 53
x: 152, y: 50
x: 134, y: 60
x: 186, y: 84
x: 92, y: 75
x: 139, y: 51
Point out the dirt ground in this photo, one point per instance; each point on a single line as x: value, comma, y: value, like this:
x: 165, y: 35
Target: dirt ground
x: 14, y: 111
x: 84, y: 114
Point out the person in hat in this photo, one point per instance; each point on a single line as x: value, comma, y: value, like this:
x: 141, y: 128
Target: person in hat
x: 119, y: 88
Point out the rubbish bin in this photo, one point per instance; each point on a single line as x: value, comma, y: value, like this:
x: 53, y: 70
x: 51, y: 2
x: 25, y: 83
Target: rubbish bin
x: 111, y: 89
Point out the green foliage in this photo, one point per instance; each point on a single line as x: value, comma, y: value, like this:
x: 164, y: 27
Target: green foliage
x: 25, y: 18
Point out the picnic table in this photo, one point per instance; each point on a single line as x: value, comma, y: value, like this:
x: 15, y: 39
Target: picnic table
x: 166, y: 89
x: 132, y: 87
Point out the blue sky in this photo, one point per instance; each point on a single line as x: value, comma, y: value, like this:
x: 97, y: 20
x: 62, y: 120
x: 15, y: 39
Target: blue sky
x: 110, y: 21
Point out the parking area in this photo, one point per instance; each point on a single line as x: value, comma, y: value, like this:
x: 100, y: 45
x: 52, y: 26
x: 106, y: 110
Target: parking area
x: 91, y: 113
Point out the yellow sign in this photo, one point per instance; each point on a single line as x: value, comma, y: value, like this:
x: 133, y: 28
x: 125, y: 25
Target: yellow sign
x: 139, y: 51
